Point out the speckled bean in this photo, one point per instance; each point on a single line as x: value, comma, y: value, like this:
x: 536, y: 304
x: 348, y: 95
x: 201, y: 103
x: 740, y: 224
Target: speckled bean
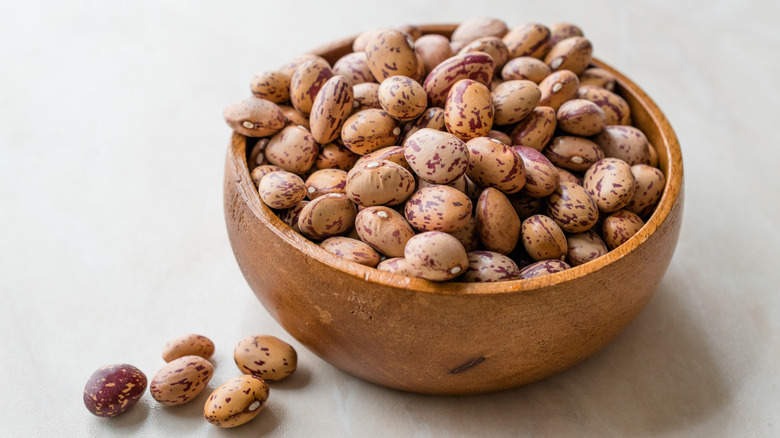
x: 438, y: 208
x: 391, y: 52
x: 366, y: 96
x: 282, y: 189
x: 468, y: 235
x: 619, y: 227
x: 584, y: 247
x: 561, y: 31
x: 573, y: 153
x: 557, y: 88
x: 351, y: 249
x: 112, y: 390
x: 525, y: 68
x: 478, y: 27
x: 572, y: 54
x: 572, y: 208
x: 436, y: 255
x: 181, y: 380
x: 542, y: 238
x: 369, y: 130
x: 610, y: 183
x: 488, y: 267
x: 265, y: 356
x: 529, y: 39
x: 294, y: 117
x: 379, y: 183
x: 468, y: 111
x: 541, y: 176
x: 254, y: 117
x: 514, y: 100
x: 290, y: 67
x: 402, y: 97
x: 273, y: 86
x: 399, y: 265
x: 326, y: 181
x: 615, y: 107
x: 307, y: 80
x: 188, y: 345
x: 476, y: 66
x: 598, y: 77
x: 236, y: 401
x: 624, y: 142
x: 331, y: 107
x: 291, y: 215
x: 294, y: 149
x: 384, y: 230
x: 335, y: 156
x: 432, y: 117
x: 581, y: 117
x: 543, y: 267
x: 526, y: 205
x: 536, y: 130
x: 497, y: 222
x: 393, y: 154
x: 327, y: 216
x: 494, y: 164
x: 436, y: 156
x: 491, y: 45
x: 650, y: 183
x: 354, y: 67
x: 260, y: 171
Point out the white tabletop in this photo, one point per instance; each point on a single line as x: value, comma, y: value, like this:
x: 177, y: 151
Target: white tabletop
x: 113, y: 240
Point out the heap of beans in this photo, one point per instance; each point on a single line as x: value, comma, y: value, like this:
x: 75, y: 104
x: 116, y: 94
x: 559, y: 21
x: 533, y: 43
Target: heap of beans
x: 114, y: 389
x: 492, y: 155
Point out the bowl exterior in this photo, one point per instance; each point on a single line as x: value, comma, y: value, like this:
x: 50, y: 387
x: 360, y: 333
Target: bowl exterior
x: 392, y: 331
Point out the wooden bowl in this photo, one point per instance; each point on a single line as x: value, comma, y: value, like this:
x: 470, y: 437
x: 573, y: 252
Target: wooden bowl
x: 451, y: 338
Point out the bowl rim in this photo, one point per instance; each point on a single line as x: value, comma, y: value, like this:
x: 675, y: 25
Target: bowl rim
x: 674, y: 181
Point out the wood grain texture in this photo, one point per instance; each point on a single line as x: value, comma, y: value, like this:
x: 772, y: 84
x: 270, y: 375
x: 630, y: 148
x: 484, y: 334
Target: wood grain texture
x: 451, y: 338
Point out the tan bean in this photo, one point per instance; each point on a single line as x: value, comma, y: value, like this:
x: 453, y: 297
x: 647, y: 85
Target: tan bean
x: 585, y: 247
x: 432, y: 117
x: 468, y: 235
x: 435, y: 156
x: 379, y: 183
x: 391, y: 52
x: 650, y: 183
x: 615, y: 107
x: 541, y: 176
x: 525, y: 68
x: 620, y: 226
x: 542, y: 268
x: 354, y: 67
x: 384, y: 229
x: 436, y: 255
x: 573, y: 153
x: 497, y: 222
x: 624, y: 142
x: 181, y: 380
x: 294, y: 149
x: 351, y: 249
x: 536, y: 130
x: 260, y: 171
x: 581, y: 117
x: 273, y: 86
x: 598, y: 77
x: 559, y: 87
x: 327, y: 216
x: 488, y: 266
x: 438, y: 208
x: 529, y: 39
x: 610, y: 183
x: 282, y: 189
x: 330, y: 109
x: 307, y: 80
x: 494, y: 164
x: 476, y: 66
x: 265, y: 356
x: 402, y: 97
x: 514, y: 100
x: 254, y: 117
x: 366, y: 95
x: 478, y: 27
x: 468, y: 111
x: 188, y: 345
x: 236, y: 401
x: 393, y: 154
x: 561, y: 31
x: 572, y: 54
x: 543, y: 239
x: 433, y: 49
x: 335, y: 156
x: 324, y: 181
x: 491, y: 45
x: 572, y: 208
x: 399, y: 265
x: 369, y: 130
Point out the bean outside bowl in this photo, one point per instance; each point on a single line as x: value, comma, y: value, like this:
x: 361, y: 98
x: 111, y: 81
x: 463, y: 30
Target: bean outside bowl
x: 451, y: 338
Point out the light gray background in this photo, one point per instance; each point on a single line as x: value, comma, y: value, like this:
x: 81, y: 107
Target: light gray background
x: 112, y: 236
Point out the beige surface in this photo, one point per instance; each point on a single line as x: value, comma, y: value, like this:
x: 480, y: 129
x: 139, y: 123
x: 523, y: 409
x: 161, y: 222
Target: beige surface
x: 112, y: 237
